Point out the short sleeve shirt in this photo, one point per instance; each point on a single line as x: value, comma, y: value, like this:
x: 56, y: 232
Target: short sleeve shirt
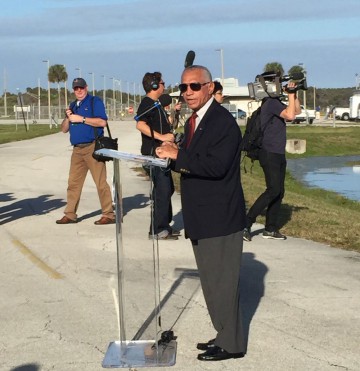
x: 157, y: 120
x: 273, y: 125
x: 89, y: 107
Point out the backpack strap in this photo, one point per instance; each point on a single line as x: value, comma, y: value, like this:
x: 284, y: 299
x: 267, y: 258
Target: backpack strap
x: 95, y: 128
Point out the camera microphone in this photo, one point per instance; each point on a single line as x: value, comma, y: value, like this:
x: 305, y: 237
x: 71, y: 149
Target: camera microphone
x: 293, y: 76
x: 165, y: 100
x: 189, y: 60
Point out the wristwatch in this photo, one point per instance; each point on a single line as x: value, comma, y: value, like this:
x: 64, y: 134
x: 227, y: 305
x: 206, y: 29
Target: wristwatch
x: 84, y: 120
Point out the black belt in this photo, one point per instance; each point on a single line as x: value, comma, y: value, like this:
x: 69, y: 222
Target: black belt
x: 81, y: 145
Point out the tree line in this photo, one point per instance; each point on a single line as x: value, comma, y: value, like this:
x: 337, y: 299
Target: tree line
x: 324, y: 97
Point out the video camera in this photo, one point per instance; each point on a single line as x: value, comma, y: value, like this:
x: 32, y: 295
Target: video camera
x: 269, y: 84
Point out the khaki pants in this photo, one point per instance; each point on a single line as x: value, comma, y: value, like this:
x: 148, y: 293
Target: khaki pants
x: 81, y: 162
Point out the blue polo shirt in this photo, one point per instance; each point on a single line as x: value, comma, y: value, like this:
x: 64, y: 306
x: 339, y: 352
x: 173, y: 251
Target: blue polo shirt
x: 89, y: 107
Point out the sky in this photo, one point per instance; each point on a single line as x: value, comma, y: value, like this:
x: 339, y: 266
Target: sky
x: 121, y: 40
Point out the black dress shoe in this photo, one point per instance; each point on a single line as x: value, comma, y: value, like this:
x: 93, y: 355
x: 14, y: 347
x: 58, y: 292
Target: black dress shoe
x: 206, y: 346
x: 218, y: 354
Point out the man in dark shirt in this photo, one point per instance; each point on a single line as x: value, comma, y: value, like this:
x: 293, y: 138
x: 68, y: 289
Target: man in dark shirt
x: 155, y: 129
x: 273, y: 162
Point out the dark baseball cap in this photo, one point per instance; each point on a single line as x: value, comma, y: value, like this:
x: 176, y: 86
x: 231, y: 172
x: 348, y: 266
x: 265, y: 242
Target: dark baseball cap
x: 79, y: 82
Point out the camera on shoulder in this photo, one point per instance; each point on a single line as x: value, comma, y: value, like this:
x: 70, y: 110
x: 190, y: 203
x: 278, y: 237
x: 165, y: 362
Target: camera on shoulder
x: 269, y: 84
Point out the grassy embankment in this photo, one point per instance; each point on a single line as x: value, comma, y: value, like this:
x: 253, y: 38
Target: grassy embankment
x: 313, y: 213
x: 13, y: 133
x: 309, y: 213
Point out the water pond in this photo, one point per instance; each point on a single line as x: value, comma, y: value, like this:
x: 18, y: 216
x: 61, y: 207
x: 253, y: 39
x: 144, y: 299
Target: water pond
x: 339, y: 174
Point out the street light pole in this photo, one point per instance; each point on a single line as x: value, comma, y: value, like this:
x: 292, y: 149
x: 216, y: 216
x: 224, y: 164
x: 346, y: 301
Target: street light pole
x: 78, y: 69
x: 114, y: 101
x: 304, y: 93
x: 222, y: 64
x: 104, y: 91
x: 128, y: 91
x: 5, y: 102
x: 93, y: 82
x: 66, y: 92
x: 39, y: 103
x: 121, y: 101
x: 134, y: 87
x: 49, y: 100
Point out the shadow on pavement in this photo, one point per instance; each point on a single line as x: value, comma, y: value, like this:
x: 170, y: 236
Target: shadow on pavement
x: 252, y: 288
x: 28, y: 207
x: 27, y: 367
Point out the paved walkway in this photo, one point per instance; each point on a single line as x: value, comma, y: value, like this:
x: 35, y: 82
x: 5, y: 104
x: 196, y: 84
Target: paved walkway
x: 301, y: 300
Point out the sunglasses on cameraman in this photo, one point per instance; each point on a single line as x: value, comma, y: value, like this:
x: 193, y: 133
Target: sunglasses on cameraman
x: 194, y: 86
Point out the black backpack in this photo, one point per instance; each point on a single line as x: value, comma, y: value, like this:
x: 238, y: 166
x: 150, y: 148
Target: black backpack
x: 253, y: 136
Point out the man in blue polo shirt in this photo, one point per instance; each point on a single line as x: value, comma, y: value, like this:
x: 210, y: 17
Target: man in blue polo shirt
x: 83, y: 115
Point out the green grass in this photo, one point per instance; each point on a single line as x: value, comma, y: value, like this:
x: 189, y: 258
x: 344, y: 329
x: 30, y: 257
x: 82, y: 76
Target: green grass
x: 310, y: 213
x: 313, y: 213
x: 14, y: 133
x: 326, y: 141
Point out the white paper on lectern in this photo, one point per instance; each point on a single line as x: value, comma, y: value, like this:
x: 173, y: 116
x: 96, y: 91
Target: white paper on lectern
x: 145, y: 160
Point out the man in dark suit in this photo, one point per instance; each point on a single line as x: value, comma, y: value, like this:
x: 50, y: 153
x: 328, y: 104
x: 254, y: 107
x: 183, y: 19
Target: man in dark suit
x: 213, y: 208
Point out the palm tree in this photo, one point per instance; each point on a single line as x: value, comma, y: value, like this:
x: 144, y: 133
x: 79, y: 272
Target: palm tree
x: 296, y: 69
x: 57, y: 73
x: 274, y: 67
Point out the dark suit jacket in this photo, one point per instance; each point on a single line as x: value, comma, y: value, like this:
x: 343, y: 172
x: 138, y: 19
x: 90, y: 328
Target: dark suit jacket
x: 211, y: 192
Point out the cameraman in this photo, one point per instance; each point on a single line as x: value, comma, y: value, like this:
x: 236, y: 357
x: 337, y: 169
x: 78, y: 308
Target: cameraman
x: 272, y: 159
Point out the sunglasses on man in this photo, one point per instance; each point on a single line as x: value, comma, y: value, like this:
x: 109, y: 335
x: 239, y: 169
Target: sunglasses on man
x: 194, y: 86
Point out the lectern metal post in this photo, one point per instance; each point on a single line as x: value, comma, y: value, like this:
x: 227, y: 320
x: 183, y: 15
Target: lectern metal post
x: 133, y: 353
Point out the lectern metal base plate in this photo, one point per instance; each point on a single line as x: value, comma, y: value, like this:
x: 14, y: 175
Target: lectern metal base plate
x: 140, y: 353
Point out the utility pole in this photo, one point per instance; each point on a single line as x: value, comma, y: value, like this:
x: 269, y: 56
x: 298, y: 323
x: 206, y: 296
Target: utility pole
x: 49, y: 99
x: 5, y: 102
x: 104, y: 91
x: 304, y: 93
x: 93, y: 82
x: 222, y: 64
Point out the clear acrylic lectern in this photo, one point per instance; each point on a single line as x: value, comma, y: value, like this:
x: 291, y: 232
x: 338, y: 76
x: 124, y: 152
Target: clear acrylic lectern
x: 135, y: 353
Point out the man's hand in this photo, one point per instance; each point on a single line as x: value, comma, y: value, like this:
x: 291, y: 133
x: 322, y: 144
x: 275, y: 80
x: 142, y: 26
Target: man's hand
x: 291, y: 87
x: 75, y: 118
x: 167, y: 150
x: 68, y: 112
x: 167, y: 137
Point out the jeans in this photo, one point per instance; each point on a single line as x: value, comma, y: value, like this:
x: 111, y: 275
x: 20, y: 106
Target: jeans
x: 163, y: 189
x: 274, y: 167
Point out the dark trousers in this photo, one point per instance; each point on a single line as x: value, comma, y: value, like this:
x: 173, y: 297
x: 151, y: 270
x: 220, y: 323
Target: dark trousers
x: 218, y: 260
x: 163, y: 189
x: 274, y: 167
